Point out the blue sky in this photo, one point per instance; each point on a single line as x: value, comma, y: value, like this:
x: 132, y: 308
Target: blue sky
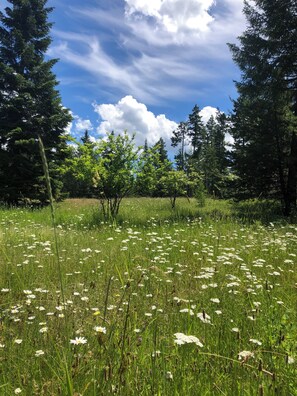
x: 142, y: 65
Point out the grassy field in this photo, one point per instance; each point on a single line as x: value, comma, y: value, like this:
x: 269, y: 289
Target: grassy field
x: 196, y: 301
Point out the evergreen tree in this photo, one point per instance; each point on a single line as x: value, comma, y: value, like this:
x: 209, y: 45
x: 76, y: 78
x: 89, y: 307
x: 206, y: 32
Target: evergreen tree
x: 209, y: 161
x: 265, y: 113
x: 30, y: 105
x: 261, y: 146
x: 179, y: 137
x: 145, y: 147
x: 86, y: 138
x: 219, y: 140
x: 196, y: 132
x: 214, y: 154
x: 162, y: 164
x: 146, y: 178
x: 160, y: 147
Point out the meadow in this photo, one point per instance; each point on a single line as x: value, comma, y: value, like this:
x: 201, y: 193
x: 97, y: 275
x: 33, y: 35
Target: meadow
x: 195, y: 301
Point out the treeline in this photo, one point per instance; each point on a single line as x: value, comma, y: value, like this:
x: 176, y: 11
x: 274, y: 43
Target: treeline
x: 262, y: 161
x: 114, y: 167
x: 265, y: 113
x: 201, y: 154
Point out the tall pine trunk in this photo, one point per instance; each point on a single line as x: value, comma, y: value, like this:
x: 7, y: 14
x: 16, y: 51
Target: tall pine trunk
x: 291, y: 193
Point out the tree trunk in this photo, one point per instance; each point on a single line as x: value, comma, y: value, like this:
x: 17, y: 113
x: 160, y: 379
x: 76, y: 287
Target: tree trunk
x: 280, y: 163
x: 291, y: 195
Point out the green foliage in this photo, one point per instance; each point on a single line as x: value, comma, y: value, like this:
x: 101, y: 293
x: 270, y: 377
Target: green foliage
x: 214, y: 155
x: 80, y: 168
x: 152, y: 165
x: 175, y: 184
x: 196, y: 133
x: 180, y: 136
x: 209, y: 157
x: 147, y: 172
x: 200, y: 193
x: 116, y: 171
x: 265, y: 114
x: 30, y: 105
x: 106, y: 169
x: 162, y: 166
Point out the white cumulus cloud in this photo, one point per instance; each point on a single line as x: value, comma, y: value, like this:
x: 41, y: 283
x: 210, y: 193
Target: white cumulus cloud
x: 149, y: 8
x: 81, y: 125
x: 207, y: 112
x: 78, y: 126
x: 174, y: 16
x: 133, y: 116
x: 128, y: 114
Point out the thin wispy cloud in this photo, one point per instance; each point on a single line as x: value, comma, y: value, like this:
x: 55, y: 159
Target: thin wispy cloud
x: 145, y: 68
x: 166, y: 55
x: 149, y: 78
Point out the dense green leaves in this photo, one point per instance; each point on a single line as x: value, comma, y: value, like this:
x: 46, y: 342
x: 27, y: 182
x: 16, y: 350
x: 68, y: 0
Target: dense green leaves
x: 175, y: 184
x: 105, y: 169
x: 148, y: 169
x: 207, y: 156
x: 116, y: 173
x: 265, y: 112
x: 30, y: 105
x: 79, y: 169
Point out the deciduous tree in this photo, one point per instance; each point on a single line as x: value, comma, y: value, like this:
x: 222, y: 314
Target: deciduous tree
x: 175, y: 184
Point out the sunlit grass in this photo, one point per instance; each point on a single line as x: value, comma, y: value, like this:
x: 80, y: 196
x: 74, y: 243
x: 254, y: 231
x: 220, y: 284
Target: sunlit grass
x: 131, y: 286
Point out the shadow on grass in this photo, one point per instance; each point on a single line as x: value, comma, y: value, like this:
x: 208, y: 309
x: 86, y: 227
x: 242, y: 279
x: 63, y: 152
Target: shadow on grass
x: 151, y: 212
x: 262, y: 211
x: 146, y: 213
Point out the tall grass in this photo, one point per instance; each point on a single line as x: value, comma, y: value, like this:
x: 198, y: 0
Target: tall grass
x: 132, y: 286
x: 63, y: 358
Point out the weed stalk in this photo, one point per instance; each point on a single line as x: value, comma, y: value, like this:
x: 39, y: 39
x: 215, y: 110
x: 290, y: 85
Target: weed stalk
x: 57, y: 253
x: 53, y: 217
